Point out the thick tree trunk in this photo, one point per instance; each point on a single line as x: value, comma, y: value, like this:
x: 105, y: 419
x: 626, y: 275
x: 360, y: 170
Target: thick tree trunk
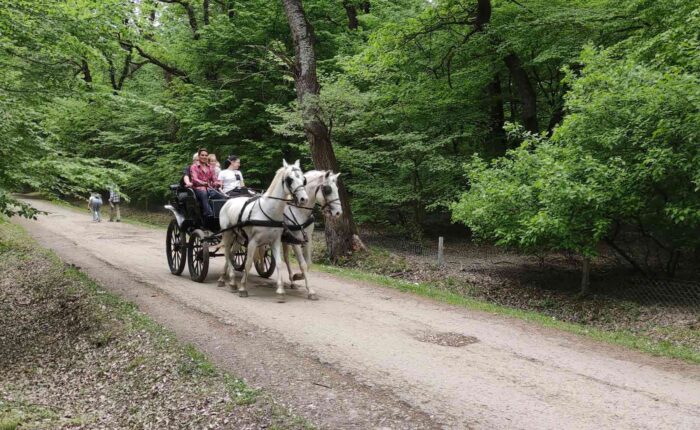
x: 341, y: 233
x: 351, y: 12
x: 556, y: 119
x: 526, y: 93
x: 85, y: 69
x: 496, y: 116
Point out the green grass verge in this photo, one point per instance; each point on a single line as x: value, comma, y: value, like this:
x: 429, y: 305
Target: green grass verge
x: 623, y: 338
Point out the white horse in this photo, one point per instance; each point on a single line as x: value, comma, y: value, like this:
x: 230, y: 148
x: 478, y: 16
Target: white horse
x: 259, y: 220
x: 322, y: 188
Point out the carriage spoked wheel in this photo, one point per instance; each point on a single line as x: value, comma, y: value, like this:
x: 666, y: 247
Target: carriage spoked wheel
x: 175, y: 248
x: 264, y: 261
x: 238, y: 259
x: 198, y: 256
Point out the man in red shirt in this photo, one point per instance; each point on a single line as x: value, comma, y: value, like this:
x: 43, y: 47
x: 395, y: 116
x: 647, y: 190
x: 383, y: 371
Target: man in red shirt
x: 204, y: 183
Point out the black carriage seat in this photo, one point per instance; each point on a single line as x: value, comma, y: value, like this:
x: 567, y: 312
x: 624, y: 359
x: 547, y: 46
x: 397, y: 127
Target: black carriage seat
x: 216, y: 205
x: 185, y: 201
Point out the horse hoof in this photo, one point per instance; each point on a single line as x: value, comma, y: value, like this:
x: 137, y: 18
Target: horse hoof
x: 242, y: 294
x: 313, y: 297
x: 298, y: 277
x: 281, y: 298
x: 221, y: 284
x: 292, y: 286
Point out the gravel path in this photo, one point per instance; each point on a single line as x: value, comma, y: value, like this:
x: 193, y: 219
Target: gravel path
x: 369, y: 357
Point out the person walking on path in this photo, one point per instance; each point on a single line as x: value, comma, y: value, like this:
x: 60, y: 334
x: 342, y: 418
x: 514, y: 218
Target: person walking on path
x: 114, y: 202
x: 95, y: 204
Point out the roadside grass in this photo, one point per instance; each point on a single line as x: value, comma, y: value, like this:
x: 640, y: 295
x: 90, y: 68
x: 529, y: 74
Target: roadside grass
x: 75, y: 355
x: 374, y: 269
x: 617, y: 337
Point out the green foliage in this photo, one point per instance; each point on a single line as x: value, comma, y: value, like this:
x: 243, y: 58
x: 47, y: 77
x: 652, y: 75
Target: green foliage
x: 100, y: 92
x: 626, y: 155
x: 542, y: 196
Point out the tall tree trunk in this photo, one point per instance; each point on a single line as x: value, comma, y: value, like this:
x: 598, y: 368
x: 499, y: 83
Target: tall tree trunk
x: 496, y: 116
x: 85, y: 69
x: 341, y: 233
x: 526, y: 93
x: 556, y: 119
x: 351, y: 11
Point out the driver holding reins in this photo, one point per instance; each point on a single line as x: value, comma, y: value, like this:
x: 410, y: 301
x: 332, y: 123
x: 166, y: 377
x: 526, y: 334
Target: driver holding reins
x: 204, y: 183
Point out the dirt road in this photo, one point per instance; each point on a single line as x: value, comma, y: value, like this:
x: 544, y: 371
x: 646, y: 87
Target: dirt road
x: 369, y: 357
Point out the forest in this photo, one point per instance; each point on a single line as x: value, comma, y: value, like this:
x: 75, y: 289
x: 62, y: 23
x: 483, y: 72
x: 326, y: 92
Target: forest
x: 541, y: 125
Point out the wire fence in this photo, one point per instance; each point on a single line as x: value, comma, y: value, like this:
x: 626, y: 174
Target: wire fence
x: 649, y: 291
x: 611, y: 277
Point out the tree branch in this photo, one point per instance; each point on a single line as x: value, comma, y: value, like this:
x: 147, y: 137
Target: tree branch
x: 191, y: 16
x: 153, y: 60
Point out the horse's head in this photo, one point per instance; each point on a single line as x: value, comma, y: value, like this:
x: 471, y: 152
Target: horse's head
x: 327, y: 195
x: 294, y: 182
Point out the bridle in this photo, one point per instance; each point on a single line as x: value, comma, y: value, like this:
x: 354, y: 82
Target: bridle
x: 287, y: 183
x: 326, y: 190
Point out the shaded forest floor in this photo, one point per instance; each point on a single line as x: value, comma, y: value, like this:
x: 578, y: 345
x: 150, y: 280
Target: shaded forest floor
x: 74, y: 356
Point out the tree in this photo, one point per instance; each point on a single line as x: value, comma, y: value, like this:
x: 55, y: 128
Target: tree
x: 624, y: 160
x: 341, y: 233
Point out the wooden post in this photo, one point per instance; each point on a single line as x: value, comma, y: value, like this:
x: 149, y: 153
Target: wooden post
x: 586, y: 276
x: 441, y: 256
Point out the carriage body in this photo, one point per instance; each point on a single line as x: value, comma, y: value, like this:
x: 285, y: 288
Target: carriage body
x: 192, y: 239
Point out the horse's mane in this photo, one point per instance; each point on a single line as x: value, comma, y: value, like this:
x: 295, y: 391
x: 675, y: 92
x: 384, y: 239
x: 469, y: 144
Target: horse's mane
x: 275, y: 181
x: 313, y: 176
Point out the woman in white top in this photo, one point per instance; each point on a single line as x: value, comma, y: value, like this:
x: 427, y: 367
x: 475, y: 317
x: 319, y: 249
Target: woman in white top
x: 232, y: 178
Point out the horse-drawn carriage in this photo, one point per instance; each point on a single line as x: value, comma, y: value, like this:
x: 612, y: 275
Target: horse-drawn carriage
x: 250, y: 230
x: 192, y: 239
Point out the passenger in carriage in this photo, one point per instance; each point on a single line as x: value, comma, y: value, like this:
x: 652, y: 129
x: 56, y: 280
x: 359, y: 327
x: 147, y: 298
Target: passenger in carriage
x: 204, y: 183
x: 214, y: 165
x: 231, y: 177
x: 185, y: 180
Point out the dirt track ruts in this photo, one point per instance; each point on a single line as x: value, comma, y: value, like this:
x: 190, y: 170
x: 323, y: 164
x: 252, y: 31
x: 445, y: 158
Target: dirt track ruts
x: 370, y: 357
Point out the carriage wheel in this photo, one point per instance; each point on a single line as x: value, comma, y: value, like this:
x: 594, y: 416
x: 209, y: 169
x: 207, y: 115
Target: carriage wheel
x: 198, y: 256
x: 175, y: 247
x: 238, y: 258
x: 265, y: 262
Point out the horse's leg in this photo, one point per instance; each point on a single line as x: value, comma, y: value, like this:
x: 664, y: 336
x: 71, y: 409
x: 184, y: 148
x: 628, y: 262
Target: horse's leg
x: 277, y: 252
x: 311, y: 294
x: 233, y: 246
x: 309, y: 245
x: 285, y: 252
x: 225, y: 242
x: 250, y: 255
